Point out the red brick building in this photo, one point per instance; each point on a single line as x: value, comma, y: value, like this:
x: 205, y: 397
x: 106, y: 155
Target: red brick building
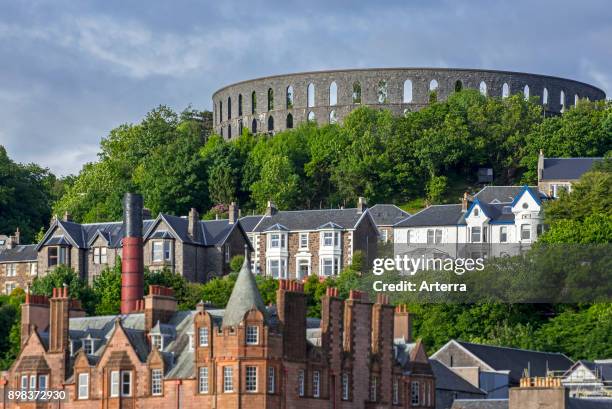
x: 358, y: 355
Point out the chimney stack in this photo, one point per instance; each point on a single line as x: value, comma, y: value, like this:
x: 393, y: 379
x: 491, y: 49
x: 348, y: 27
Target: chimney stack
x: 194, y: 218
x: 160, y: 305
x: 34, y: 314
x: 402, y: 325
x: 465, y: 202
x: 233, y: 213
x: 361, y: 205
x: 540, y: 165
x: 132, y: 268
x: 271, y: 210
x: 59, y: 320
x: 146, y: 213
x: 67, y: 216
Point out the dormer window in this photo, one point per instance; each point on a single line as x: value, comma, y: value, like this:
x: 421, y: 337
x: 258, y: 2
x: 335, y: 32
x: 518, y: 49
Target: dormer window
x: 203, y: 336
x: 100, y: 255
x: 507, y: 209
x: 161, y: 250
x: 57, y: 255
x: 88, y: 346
x: 525, y: 205
x: 278, y: 240
x: 252, y: 335
x: 157, y: 341
x: 476, y: 212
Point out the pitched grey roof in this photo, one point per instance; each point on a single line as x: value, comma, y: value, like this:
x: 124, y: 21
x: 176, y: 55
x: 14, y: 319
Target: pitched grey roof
x: 582, y: 403
x: 566, y: 168
x: 600, y: 369
x: 503, y: 194
x: 387, y: 214
x: 19, y: 253
x: 448, y: 380
x: 436, y: 215
x: 245, y: 296
x: 480, y: 404
x: 250, y: 222
x: 517, y: 360
x: 311, y: 219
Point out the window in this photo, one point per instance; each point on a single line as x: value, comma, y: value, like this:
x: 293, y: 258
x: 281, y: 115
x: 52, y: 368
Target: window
x: 253, y: 103
x: 271, y: 379
x: 382, y: 92
x: 88, y: 346
x: 562, y: 98
x: 373, y: 388
x: 251, y: 379
x: 289, y: 97
x: 240, y: 127
x: 24, y: 383
x: 414, y: 393
x: 161, y: 250
x: 433, y: 85
x: 356, y: 93
x: 332, y: 117
x: 270, y: 99
x: 240, y: 105
x: 229, y: 131
x: 458, y: 85
x: 503, y: 234
x: 156, y: 382
x: 83, y: 386
x: 311, y: 95
x: 9, y: 287
x: 311, y: 116
x: 407, y: 91
x: 34, y: 269
x: 228, y: 381
x: 227, y: 252
x: 277, y: 240
x: 157, y: 341
x: 476, y: 212
x: 289, y: 124
x: 114, y: 384
x: 203, y: 336
x: 545, y: 96
x: 100, y: 255
x: 483, y: 88
x: 303, y: 268
x: 345, y: 386
x: 525, y: 232
x: 525, y: 205
x: 395, y: 392
x: 126, y: 383
x: 328, y: 239
x: 475, y: 236
x: 328, y: 266
x: 220, y: 111
x: 32, y: 382
x: 505, y: 90
x: 539, y: 230
x: 57, y: 255
x: 229, y: 108
x: 434, y: 236
x: 270, y: 123
x: 303, y: 240
x: 252, y: 335
x: 42, y: 382
x: 203, y: 380
x: 316, y: 384
x: 301, y: 381
x: 526, y: 92
x: 333, y: 94
x: 576, y: 99
x: 277, y: 268
x: 11, y: 270
x: 254, y: 126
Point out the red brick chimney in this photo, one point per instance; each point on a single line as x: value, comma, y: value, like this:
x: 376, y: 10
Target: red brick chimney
x: 291, y: 306
x: 159, y: 305
x: 34, y: 315
x: 59, y: 320
x: 402, y: 325
x: 132, y: 267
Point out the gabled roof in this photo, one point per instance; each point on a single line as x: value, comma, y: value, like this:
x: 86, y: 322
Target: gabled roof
x: 250, y: 222
x: 566, y: 168
x: 436, y: 215
x: 527, y: 190
x: 598, y: 369
x: 277, y: 227
x: 295, y: 220
x: 244, y: 298
x: 330, y: 225
x: 503, y: 194
x: 19, y: 253
x: 447, y: 379
x: 517, y: 360
x: 387, y: 214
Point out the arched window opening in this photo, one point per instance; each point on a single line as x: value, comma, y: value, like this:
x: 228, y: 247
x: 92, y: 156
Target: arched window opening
x: 220, y: 111
x: 311, y: 95
x: 270, y: 99
x: 407, y: 91
x: 240, y: 128
x: 229, y: 132
x: 526, y: 92
x: 545, y: 96
x: 382, y: 92
x: 332, y: 117
x: 240, y: 105
x: 433, y: 85
x: 289, y: 121
x: 270, y: 123
x: 356, y: 93
x: 311, y: 116
x: 458, y: 85
x: 483, y: 88
x: 222, y: 132
x: 562, y: 98
x: 333, y: 94
x: 253, y: 102
x: 289, y: 97
x: 576, y: 99
x: 254, y: 126
x: 229, y: 108
x: 505, y: 90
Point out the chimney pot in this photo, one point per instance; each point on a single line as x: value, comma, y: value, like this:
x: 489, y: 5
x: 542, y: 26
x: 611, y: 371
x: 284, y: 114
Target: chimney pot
x: 67, y: 216
x: 233, y: 213
x: 194, y: 218
x: 271, y: 209
x: 361, y: 204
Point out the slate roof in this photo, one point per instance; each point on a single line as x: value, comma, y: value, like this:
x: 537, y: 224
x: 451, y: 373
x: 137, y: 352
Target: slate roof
x: 566, y: 168
x: 517, y: 360
x: 480, y: 404
x: 19, y: 253
x: 504, y: 194
x: 581, y: 403
x: 436, y: 215
x: 448, y: 380
x: 599, y: 369
x: 387, y: 214
x: 250, y: 222
x: 245, y: 296
x: 312, y: 219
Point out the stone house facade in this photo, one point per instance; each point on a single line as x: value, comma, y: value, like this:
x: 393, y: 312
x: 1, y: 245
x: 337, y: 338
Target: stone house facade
x: 18, y: 263
x: 556, y: 174
x: 358, y: 355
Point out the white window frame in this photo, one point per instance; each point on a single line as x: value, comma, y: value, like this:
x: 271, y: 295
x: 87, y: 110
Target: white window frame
x: 271, y: 379
x: 228, y: 379
x: 384, y: 235
x: 525, y: 228
x: 316, y: 384
x: 34, y: 269
x: 203, y: 384
x: 281, y: 266
x: 227, y: 252
x: 303, y: 262
x: 24, y: 382
x: 252, y: 335
x: 9, y: 287
x: 83, y: 386
x: 303, y: 241
x: 345, y: 386
x: 503, y: 234
x: 43, y: 382
x: 33, y: 382
x: 157, y: 388
x: 88, y: 346
x: 11, y: 270
x: 126, y: 380
x: 114, y: 384
x: 250, y: 379
x: 157, y: 340
x: 301, y: 382
x: 203, y: 335
x: 328, y: 239
x: 476, y: 234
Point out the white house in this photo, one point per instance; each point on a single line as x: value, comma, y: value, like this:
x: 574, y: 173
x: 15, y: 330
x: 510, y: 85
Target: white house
x: 500, y: 220
x: 590, y: 379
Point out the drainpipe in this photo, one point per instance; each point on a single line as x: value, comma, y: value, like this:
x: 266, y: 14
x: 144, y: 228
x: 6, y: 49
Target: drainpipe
x: 178, y: 394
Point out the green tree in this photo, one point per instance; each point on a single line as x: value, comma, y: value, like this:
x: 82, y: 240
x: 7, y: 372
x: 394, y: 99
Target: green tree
x: 62, y: 276
x: 278, y: 183
x: 107, y: 290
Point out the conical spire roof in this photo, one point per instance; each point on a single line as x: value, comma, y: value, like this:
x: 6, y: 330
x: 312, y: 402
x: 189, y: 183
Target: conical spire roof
x: 245, y: 296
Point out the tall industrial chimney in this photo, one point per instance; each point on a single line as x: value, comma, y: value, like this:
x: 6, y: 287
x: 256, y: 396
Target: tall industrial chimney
x: 132, y: 268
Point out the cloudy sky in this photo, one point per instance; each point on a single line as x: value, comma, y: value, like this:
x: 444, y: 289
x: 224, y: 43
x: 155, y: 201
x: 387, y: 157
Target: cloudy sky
x: 72, y: 70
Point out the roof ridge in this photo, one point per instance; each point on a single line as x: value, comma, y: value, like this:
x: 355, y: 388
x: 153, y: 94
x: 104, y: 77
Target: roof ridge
x: 577, y: 157
x: 513, y: 348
